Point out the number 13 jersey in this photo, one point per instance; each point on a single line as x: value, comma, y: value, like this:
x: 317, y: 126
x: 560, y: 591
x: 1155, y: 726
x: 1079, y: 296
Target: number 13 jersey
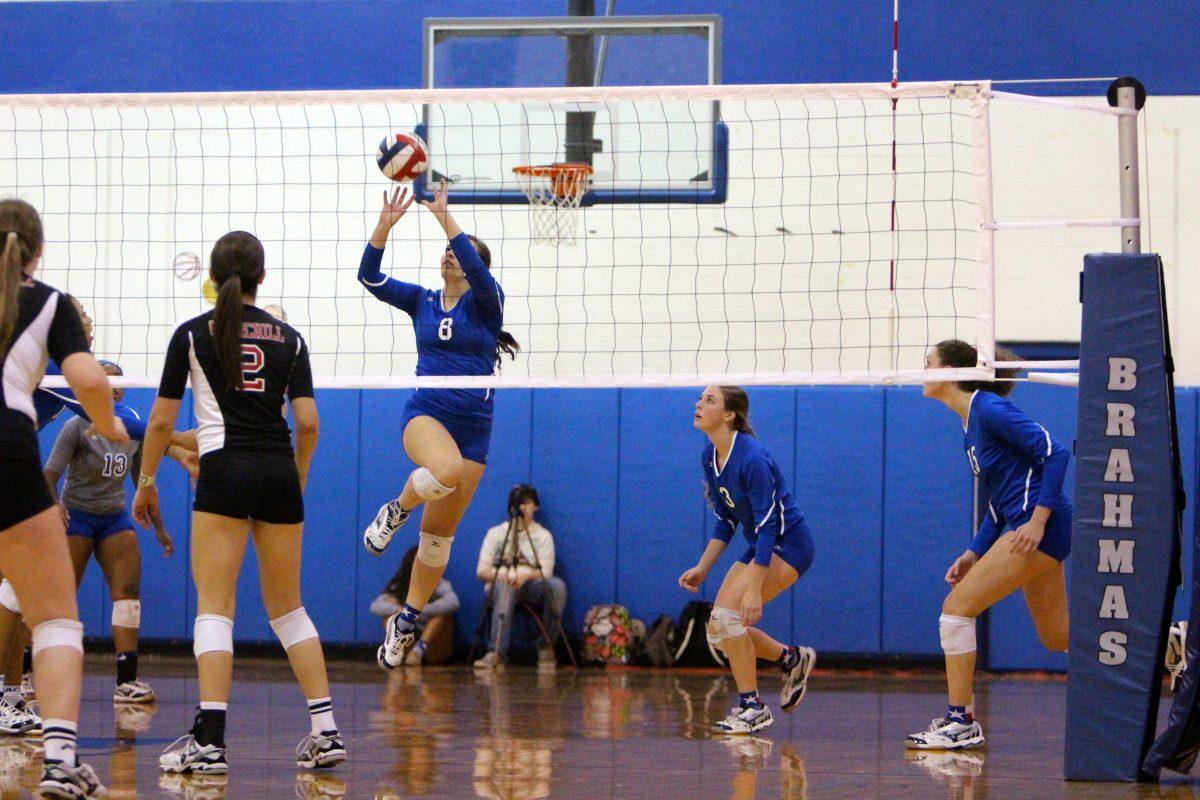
x: 274, y: 365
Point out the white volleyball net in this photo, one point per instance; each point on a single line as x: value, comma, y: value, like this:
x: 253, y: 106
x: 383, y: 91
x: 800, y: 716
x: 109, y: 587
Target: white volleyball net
x: 850, y: 232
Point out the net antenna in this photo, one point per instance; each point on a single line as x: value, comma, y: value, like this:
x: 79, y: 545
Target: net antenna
x: 554, y: 192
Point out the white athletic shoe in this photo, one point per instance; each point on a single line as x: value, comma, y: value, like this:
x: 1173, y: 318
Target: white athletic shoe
x: 744, y: 721
x: 946, y: 734
x: 395, y: 645
x: 489, y: 662
x: 795, y: 680
x: 187, y: 755
x: 70, y: 783
x: 134, y: 691
x: 379, y: 533
x: 319, y: 751
x: 1176, y: 658
x: 18, y: 719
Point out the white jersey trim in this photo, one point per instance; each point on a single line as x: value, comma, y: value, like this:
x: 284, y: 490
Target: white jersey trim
x: 25, y: 363
x: 210, y: 423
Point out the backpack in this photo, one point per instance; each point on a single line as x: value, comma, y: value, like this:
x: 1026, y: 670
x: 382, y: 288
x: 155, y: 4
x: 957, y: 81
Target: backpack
x: 693, y: 649
x: 608, y: 633
x: 662, y: 641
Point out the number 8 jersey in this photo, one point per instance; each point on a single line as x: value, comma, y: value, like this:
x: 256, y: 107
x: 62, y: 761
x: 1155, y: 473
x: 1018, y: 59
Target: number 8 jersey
x: 274, y: 364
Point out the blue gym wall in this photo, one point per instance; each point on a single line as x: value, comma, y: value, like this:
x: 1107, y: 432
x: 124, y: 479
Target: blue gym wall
x: 213, y: 45
x: 878, y: 472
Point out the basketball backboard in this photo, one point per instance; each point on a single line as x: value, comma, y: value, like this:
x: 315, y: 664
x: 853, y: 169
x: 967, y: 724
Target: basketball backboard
x: 640, y: 151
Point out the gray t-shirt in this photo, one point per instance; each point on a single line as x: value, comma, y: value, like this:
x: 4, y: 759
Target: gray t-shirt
x: 96, y: 468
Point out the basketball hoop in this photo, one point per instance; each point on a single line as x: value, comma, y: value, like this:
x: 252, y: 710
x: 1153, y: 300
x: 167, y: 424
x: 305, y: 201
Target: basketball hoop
x: 554, y: 192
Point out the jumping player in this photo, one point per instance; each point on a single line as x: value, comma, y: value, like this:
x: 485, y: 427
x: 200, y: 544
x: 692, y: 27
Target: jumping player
x: 36, y: 322
x: 242, y: 362
x: 446, y: 431
x: 98, y: 523
x: 745, y: 486
x: 1022, y: 542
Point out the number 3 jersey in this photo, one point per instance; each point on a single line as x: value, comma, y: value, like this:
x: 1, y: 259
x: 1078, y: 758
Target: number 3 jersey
x: 96, y: 468
x: 749, y: 490
x: 274, y: 365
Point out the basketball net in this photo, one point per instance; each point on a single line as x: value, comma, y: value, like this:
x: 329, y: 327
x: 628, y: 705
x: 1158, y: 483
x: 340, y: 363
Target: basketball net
x: 554, y: 192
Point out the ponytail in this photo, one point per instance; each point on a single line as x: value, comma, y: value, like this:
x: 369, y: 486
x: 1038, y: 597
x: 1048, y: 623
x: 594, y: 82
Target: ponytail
x: 737, y: 401
x: 506, y: 343
x: 21, y: 228
x: 957, y: 353
x: 227, y: 331
x: 10, y: 287
x: 236, y: 264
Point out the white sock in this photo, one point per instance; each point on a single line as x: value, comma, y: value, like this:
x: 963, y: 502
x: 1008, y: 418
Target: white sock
x: 58, y: 741
x: 320, y: 711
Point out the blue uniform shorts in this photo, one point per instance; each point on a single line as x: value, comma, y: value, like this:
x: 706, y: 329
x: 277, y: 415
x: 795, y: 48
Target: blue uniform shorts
x: 1056, y: 541
x: 796, y: 549
x: 98, y: 527
x: 472, y: 434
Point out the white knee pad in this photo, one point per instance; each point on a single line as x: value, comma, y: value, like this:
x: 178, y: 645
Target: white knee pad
x: 212, y: 633
x: 58, y: 633
x: 434, y: 550
x: 727, y: 623
x: 8, y: 597
x: 714, y: 641
x: 429, y: 487
x: 958, y: 634
x: 127, y: 613
x: 293, y: 628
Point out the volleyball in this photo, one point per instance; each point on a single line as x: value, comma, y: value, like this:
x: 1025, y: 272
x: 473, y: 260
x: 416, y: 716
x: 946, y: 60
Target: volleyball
x: 402, y: 156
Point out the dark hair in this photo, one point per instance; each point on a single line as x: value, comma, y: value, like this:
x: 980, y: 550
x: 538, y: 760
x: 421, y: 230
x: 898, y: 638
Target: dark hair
x: 519, y: 494
x: 505, y: 341
x: 737, y: 401
x: 398, y: 585
x: 21, y: 230
x: 957, y: 353
x: 236, y: 264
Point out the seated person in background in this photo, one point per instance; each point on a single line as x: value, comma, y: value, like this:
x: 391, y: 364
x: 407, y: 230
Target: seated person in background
x: 435, y: 627
x: 518, y: 556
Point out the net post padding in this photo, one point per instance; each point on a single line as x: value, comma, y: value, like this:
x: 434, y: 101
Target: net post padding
x: 554, y: 192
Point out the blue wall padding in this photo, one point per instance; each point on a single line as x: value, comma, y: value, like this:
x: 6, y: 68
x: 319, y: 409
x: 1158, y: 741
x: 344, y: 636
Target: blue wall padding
x: 879, y: 474
x: 839, y: 487
x: 222, y: 45
x: 926, y: 520
x: 1013, y: 641
x: 1113, y: 694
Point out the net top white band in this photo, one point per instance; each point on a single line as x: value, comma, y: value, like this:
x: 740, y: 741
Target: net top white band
x: 579, y: 94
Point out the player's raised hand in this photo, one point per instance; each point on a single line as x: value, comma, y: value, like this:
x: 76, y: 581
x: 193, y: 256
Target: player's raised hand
x: 438, y: 204
x: 394, y: 206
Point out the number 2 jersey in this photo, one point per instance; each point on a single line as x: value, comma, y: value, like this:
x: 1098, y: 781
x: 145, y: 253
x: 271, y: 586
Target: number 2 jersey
x: 275, y: 364
x: 748, y: 489
x: 454, y: 342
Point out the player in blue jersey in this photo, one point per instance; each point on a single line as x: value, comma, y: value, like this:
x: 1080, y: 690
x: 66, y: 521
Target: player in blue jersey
x: 744, y: 486
x: 446, y: 431
x: 1022, y: 542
